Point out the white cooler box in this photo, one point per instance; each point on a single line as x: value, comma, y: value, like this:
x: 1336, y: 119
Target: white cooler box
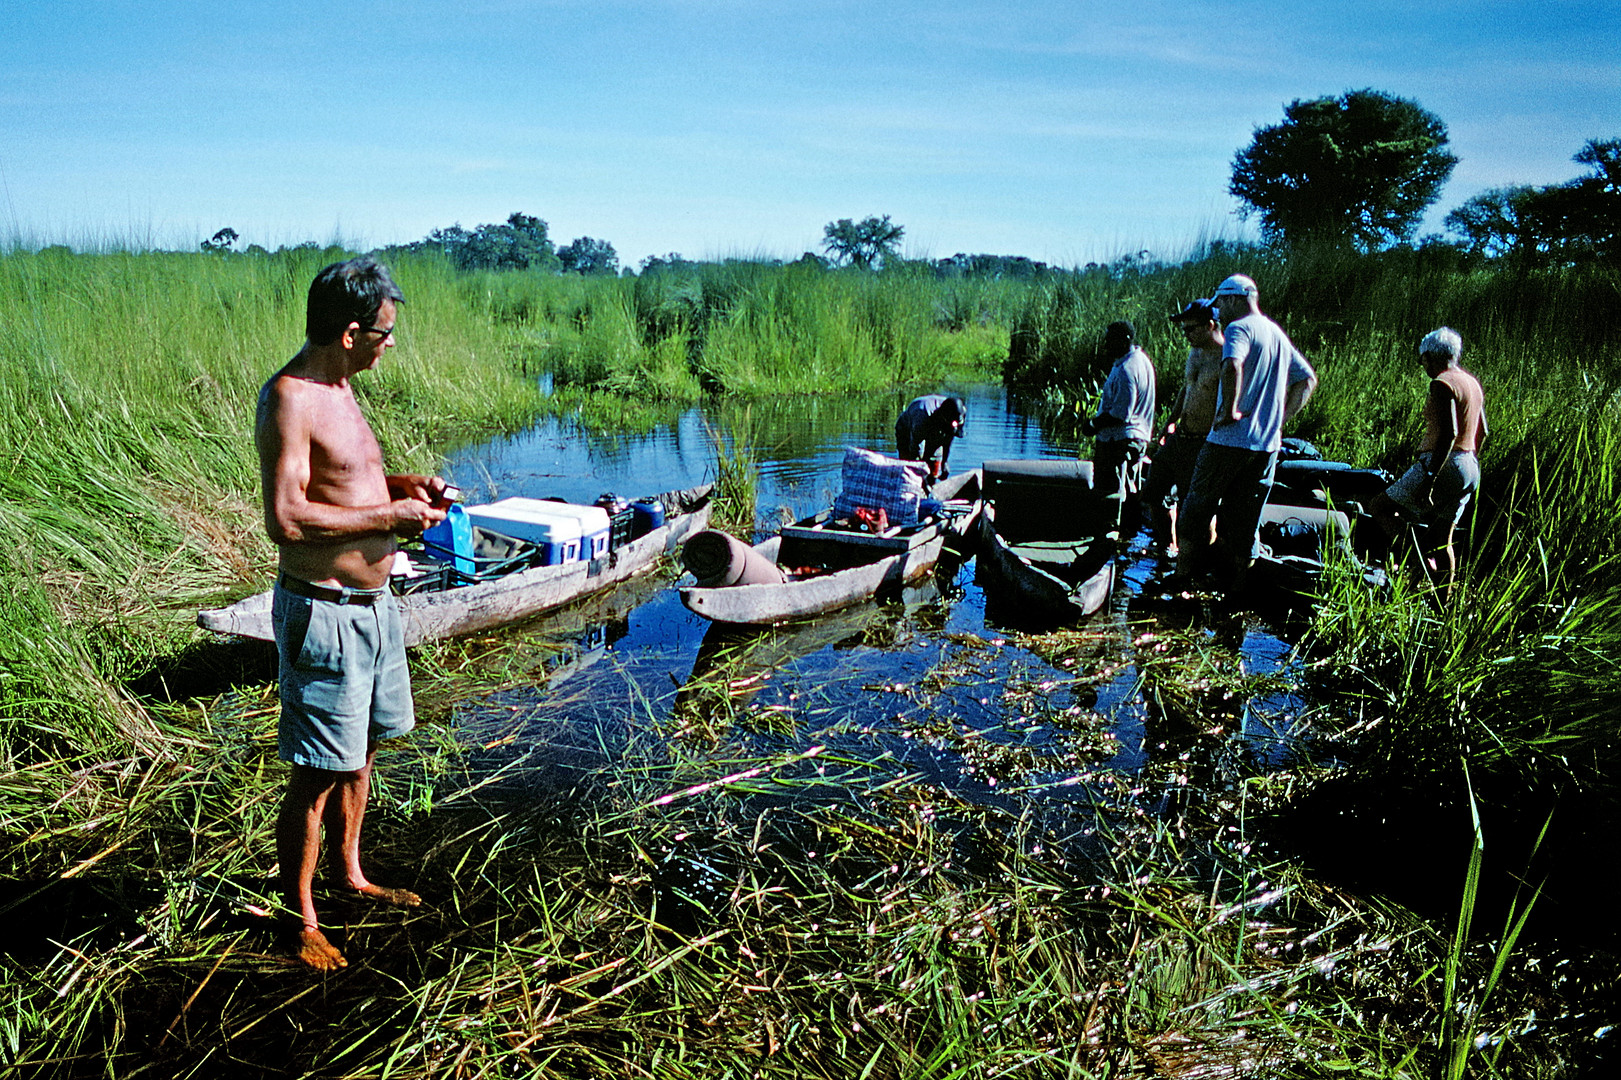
x: 556, y: 535
x: 545, y: 521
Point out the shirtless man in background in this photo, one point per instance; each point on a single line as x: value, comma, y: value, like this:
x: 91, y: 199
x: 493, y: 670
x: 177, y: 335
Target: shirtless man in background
x: 1190, y: 419
x: 1433, y: 494
x: 336, y: 518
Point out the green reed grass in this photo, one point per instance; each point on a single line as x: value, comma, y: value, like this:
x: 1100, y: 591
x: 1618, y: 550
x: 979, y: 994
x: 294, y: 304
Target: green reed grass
x: 703, y: 905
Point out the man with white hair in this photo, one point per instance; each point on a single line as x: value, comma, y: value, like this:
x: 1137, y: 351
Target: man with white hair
x: 1432, y: 495
x: 1265, y: 381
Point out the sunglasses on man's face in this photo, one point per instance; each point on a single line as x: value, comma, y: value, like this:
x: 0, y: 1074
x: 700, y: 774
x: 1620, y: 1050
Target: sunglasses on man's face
x: 388, y: 333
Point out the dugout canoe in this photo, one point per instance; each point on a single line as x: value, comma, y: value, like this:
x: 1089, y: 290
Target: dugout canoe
x: 521, y: 594
x: 1039, y: 554
x: 1045, y: 580
x: 850, y: 567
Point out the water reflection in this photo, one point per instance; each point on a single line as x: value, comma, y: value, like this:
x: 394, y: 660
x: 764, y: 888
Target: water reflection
x: 932, y: 686
x: 798, y: 442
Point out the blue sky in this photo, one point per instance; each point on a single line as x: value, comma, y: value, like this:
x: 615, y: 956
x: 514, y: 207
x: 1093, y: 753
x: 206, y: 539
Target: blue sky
x: 1063, y: 131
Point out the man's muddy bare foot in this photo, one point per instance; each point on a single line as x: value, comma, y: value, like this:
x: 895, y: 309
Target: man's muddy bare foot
x: 385, y: 895
x: 313, y: 950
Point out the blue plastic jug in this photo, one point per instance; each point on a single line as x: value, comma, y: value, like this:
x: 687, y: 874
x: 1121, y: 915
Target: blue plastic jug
x: 451, y: 540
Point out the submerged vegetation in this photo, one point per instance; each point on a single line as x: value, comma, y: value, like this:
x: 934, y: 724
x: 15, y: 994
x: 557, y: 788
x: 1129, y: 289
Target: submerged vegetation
x: 717, y: 899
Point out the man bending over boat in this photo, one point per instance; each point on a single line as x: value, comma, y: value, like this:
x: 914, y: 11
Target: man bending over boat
x: 1122, y: 426
x: 1433, y: 494
x: 335, y: 517
x: 929, y: 424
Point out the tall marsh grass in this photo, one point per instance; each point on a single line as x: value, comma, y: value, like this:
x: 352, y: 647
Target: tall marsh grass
x: 129, y: 496
x: 697, y: 904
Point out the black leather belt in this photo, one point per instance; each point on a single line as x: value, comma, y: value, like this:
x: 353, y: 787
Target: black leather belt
x: 300, y: 587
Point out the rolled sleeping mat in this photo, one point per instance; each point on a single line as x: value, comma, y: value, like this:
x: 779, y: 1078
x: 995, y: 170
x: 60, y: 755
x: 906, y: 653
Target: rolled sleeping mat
x: 719, y: 559
x: 1059, y: 472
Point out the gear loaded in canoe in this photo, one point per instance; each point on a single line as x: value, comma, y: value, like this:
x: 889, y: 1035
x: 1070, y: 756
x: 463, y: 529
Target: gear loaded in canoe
x: 485, y: 592
x: 822, y: 563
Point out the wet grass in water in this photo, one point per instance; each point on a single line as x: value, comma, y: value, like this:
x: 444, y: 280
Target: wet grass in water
x: 617, y: 894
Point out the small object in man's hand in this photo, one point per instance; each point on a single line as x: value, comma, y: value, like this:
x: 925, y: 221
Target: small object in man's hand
x: 449, y: 495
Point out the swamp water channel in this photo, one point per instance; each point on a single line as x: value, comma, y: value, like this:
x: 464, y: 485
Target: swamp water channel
x: 853, y: 678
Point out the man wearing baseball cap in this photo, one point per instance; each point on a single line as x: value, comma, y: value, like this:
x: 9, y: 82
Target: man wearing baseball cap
x: 1264, y: 382
x: 1189, y: 423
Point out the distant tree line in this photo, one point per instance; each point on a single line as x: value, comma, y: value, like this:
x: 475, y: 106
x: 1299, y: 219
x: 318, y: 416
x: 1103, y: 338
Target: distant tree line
x: 1357, y: 171
x: 1561, y: 224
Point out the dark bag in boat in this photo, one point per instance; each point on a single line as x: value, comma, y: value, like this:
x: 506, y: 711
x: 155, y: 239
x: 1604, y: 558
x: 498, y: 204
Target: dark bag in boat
x: 1292, y: 536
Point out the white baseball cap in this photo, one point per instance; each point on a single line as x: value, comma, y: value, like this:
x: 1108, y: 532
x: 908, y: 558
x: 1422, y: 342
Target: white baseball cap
x: 1237, y: 285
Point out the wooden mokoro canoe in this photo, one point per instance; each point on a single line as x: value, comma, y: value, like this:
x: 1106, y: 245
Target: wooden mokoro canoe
x: 1040, y: 557
x: 1295, y: 545
x: 860, y: 564
x: 466, y: 609
x: 1045, y: 580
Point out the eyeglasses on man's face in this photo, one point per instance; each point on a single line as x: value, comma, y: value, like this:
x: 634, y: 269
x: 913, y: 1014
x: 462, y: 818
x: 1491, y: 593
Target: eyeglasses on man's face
x: 388, y: 333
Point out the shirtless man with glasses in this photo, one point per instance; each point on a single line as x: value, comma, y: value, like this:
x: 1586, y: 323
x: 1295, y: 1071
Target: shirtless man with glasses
x: 336, y: 518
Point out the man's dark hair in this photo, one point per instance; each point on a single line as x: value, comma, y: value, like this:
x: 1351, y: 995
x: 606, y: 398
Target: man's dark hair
x: 957, y: 405
x: 1119, y: 338
x: 347, y: 292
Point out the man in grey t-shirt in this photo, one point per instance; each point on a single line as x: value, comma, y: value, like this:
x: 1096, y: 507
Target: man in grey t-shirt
x: 1123, y: 424
x: 1265, y: 381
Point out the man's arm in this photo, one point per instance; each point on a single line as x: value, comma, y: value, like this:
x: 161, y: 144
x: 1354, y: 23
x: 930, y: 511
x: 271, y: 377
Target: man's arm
x: 1113, y: 403
x: 1232, y: 384
x: 428, y: 489
x: 1300, y: 389
x: 282, y: 433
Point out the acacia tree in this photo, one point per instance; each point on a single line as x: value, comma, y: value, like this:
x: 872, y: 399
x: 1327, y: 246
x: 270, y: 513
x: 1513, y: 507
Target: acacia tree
x: 862, y: 243
x: 222, y: 241
x: 1494, y: 223
x: 1359, y: 168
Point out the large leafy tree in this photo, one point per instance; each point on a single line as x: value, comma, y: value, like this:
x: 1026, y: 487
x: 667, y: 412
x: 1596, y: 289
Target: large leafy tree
x: 1360, y: 168
x: 520, y: 244
x: 865, y: 243
x: 588, y: 256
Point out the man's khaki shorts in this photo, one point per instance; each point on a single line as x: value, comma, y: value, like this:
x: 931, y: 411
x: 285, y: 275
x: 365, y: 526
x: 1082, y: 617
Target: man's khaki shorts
x: 344, y: 681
